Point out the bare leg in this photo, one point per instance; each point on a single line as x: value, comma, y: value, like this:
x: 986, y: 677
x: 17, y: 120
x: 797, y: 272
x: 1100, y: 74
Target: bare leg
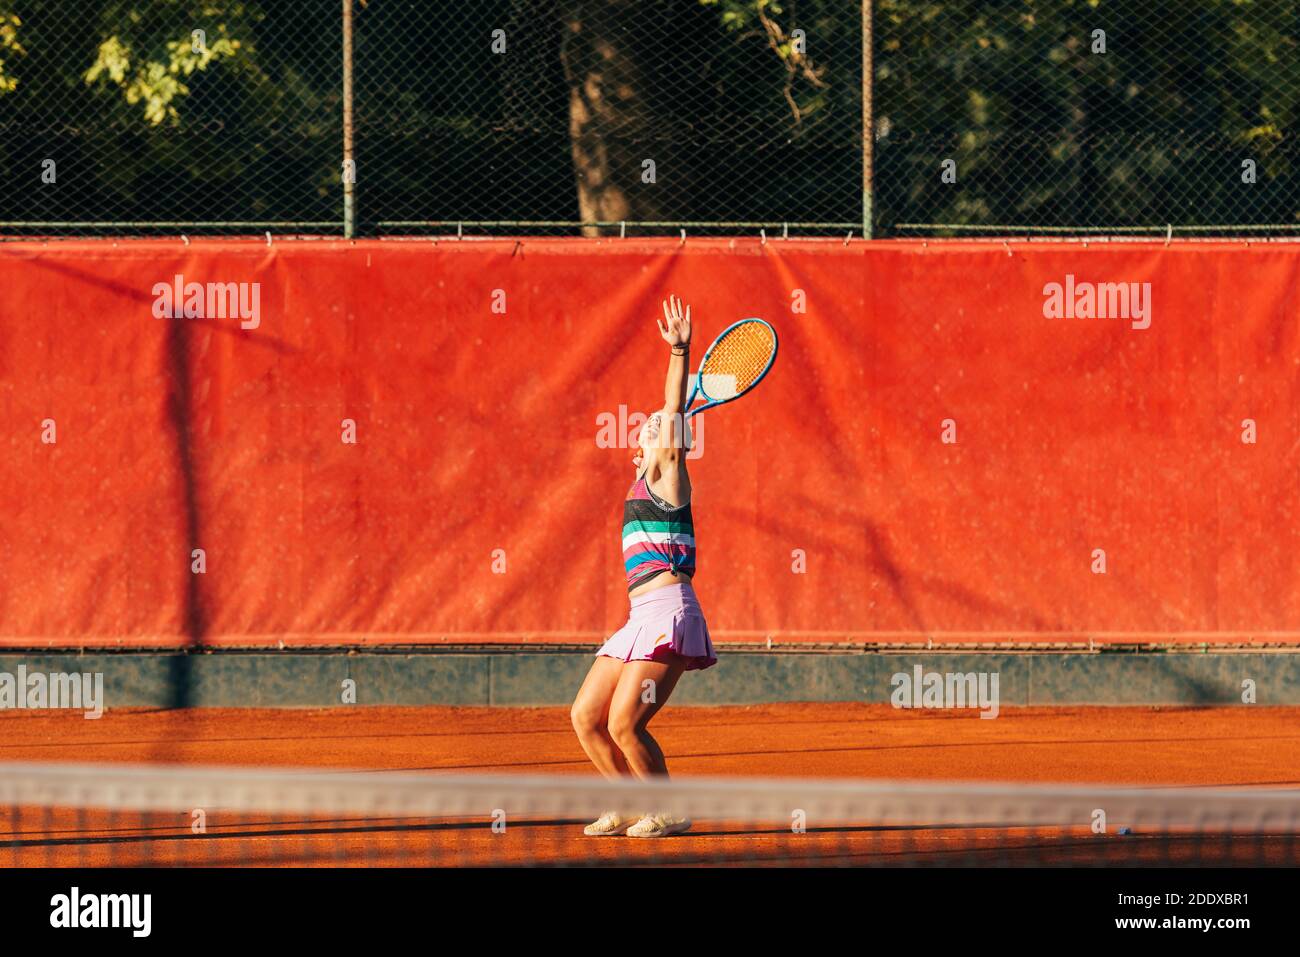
x: 590, y: 715
x: 643, y: 688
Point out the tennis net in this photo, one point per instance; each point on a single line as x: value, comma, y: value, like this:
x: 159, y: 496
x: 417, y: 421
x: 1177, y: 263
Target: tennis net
x: 56, y: 815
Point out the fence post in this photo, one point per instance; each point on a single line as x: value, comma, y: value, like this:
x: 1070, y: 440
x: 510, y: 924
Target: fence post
x: 349, y: 159
x: 868, y: 123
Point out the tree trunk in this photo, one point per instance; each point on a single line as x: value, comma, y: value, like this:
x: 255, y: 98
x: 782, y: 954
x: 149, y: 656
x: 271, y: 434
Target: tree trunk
x: 612, y: 123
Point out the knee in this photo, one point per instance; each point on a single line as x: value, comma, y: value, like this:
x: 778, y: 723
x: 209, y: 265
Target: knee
x: 624, y: 730
x: 585, y: 718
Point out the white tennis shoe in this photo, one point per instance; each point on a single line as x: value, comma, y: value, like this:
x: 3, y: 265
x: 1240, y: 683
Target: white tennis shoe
x: 609, y: 824
x: 658, y: 825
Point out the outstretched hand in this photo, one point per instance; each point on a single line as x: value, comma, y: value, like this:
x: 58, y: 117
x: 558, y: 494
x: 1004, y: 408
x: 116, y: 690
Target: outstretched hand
x: 677, y: 332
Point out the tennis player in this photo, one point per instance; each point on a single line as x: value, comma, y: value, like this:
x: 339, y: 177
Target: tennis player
x: 636, y: 670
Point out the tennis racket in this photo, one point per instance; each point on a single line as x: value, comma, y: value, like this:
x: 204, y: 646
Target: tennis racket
x: 735, y: 363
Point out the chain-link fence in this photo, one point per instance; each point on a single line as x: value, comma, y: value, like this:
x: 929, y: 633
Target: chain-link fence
x: 491, y: 115
x: 162, y: 116
x: 647, y: 116
x: 649, y: 113
x: 1105, y: 115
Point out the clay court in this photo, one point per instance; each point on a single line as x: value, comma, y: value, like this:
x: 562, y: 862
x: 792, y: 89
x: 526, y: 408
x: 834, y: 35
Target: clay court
x: 1151, y: 747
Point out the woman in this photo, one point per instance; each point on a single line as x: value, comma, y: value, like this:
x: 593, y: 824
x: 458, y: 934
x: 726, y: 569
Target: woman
x: 665, y: 632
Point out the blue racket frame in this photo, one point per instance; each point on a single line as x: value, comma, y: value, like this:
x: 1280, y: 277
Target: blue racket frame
x: 697, y: 385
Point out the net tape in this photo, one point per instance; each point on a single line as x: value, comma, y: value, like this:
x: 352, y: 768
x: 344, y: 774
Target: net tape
x: 142, y: 788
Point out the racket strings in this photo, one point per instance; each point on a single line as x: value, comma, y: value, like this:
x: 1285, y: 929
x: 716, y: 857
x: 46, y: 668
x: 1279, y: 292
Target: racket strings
x: 742, y: 354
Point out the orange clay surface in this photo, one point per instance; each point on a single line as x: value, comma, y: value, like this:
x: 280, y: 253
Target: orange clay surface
x: 1160, y: 746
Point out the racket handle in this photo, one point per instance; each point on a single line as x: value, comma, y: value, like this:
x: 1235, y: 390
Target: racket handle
x: 692, y: 393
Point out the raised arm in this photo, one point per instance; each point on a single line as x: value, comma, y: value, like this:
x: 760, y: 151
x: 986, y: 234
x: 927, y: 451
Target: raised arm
x: 676, y: 330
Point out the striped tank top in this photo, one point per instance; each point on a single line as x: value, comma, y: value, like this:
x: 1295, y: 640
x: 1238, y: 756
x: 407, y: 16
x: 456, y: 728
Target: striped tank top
x: 656, y: 536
